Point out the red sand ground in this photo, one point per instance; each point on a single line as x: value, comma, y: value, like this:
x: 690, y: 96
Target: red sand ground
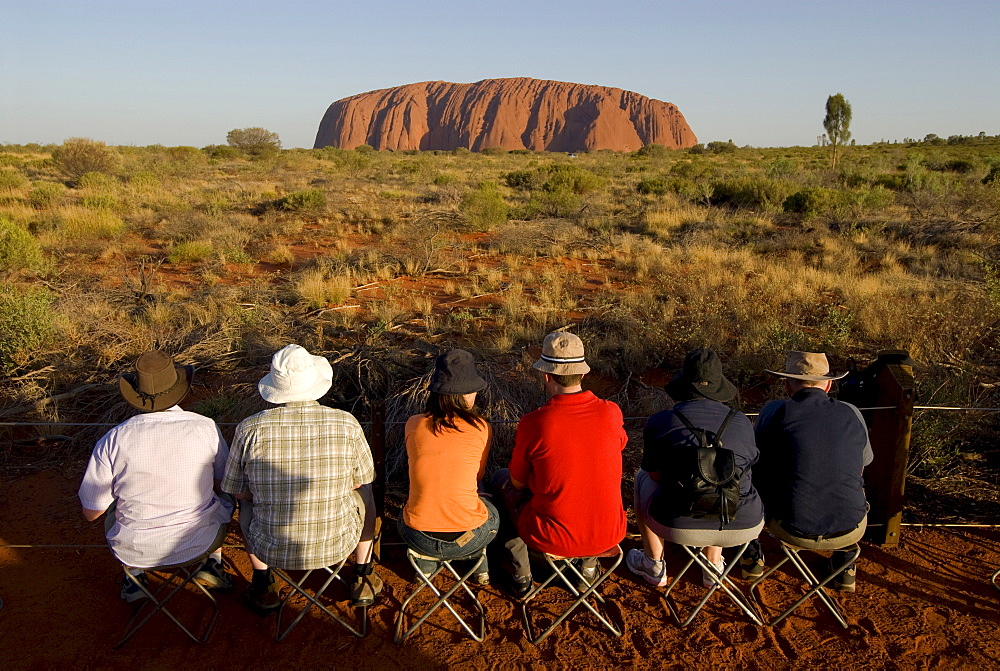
x: 927, y: 603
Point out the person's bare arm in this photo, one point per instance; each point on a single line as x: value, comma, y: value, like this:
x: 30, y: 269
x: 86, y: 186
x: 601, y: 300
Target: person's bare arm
x: 91, y: 515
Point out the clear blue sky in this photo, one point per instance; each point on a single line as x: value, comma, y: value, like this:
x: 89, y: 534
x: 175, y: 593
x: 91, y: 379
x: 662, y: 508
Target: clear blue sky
x: 184, y: 73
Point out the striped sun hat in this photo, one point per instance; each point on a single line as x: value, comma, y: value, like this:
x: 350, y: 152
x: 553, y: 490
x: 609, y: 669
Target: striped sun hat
x: 562, y: 354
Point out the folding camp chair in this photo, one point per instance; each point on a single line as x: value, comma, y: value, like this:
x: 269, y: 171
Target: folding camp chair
x: 299, y: 587
x: 181, y: 574
x: 815, y: 584
x: 720, y: 581
x: 566, y: 569
x: 427, y: 581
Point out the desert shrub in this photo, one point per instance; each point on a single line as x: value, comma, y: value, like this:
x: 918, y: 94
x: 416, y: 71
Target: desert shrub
x: 444, y: 179
x: 993, y: 176
x: 99, y: 201
x: 78, y: 156
x: 811, y: 201
x: 571, y: 177
x: 891, y: 180
x: 317, y: 288
x: 652, y: 151
x: 45, y: 194
x: 77, y: 223
x: 26, y: 323
x: 485, y: 207
x: 751, y: 192
x: 307, y: 200
x: 11, y: 180
x: 524, y: 179
x: 652, y: 185
x: 558, y: 201
x: 718, y: 147
x: 221, y: 151
x: 254, y: 141
x: 191, y: 251
x: 96, y: 181
x: 696, y: 149
x: 18, y: 248
x: 780, y: 167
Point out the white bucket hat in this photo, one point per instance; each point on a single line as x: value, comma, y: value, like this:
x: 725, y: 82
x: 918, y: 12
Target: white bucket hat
x: 296, y: 375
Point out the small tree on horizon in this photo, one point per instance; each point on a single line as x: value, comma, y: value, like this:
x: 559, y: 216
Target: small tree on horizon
x: 254, y: 141
x: 837, y: 122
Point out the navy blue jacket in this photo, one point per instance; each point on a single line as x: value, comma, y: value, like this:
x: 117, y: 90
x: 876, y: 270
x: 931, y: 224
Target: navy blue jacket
x: 813, y: 450
x: 664, y: 433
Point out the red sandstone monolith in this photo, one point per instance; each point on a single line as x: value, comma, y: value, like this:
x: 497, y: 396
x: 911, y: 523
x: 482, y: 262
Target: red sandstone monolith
x: 516, y: 113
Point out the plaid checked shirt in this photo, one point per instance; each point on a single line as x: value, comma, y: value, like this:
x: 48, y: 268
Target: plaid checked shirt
x: 300, y: 461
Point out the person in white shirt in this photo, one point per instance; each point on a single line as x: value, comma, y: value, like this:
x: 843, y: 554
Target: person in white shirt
x: 157, y: 477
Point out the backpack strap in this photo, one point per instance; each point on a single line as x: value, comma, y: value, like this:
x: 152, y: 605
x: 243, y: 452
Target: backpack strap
x: 691, y: 427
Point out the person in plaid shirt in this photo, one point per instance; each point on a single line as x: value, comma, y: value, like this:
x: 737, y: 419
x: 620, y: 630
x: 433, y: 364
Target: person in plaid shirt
x: 302, y: 473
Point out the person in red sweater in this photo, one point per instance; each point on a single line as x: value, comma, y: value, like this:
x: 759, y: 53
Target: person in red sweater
x: 562, y: 490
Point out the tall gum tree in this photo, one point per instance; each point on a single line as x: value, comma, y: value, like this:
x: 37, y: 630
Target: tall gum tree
x: 837, y: 122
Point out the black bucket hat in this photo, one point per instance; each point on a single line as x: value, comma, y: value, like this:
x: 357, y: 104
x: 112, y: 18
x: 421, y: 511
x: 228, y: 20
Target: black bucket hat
x: 455, y: 373
x: 701, y: 376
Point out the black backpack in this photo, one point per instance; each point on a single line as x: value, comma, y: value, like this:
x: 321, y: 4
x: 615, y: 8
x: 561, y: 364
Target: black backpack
x: 707, y: 474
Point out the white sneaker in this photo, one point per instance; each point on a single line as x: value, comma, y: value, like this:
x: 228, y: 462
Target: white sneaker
x: 654, y: 571
x: 707, y: 579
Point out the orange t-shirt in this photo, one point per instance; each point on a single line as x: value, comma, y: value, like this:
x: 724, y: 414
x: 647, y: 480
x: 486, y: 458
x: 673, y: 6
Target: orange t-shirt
x: 445, y: 470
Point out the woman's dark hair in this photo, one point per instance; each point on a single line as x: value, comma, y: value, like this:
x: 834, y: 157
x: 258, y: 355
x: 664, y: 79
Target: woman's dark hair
x: 444, y: 408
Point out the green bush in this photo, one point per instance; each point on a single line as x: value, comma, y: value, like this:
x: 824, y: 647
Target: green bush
x: 652, y: 185
x: 485, y: 206
x: 307, y: 200
x: 653, y: 151
x: 811, y: 201
x: 444, y: 178
x: 993, y: 176
x: 221, y: 151
x: 26, y: 323
x: 18, y: 248
x: 523, y: 179
x: 718, y: 147
x: 191, y: 252
x: 254, y: 141
x: 79, y: 155
x: 11, y: 179
x: 99, y: 201
x: 96, y: 180
x: 757, y: 193
x: 45, y: 194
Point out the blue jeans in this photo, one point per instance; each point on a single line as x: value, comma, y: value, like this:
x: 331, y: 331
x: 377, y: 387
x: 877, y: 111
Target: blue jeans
x: 435, y: 547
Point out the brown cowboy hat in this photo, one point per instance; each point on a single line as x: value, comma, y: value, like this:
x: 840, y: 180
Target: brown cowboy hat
x: 157, y: 383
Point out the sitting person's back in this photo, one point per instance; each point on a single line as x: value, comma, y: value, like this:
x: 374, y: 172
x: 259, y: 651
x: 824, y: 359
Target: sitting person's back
x: 446, y: 448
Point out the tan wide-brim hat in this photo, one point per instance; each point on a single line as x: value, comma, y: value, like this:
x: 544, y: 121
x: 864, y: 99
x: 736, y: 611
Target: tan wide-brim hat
x: 812, y: 366
x: 562, y: 354
x: 296, y: 375
x: 157, y: 383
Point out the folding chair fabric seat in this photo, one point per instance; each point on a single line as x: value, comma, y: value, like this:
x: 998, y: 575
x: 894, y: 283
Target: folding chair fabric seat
x: 298, y: 587
x: 721, y: 581
x: 814, y: 583
x: 444, y: 567
x: 183, y: 574
x: 565, y: 569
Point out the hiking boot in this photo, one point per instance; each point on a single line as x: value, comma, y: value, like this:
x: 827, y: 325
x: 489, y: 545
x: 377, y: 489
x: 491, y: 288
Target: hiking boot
x: 653, y: 571
x: 751, y: 569
x: 364, y: 589
x: 708, y: 579
x: 482, y: 578
x: 131, y: 592
x: 520, y: 585
x: 212, y: 575
x: 262, y: 596
x: 845, y: 582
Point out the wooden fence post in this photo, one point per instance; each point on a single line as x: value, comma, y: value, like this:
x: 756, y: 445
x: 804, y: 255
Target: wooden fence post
x: 889, y: 432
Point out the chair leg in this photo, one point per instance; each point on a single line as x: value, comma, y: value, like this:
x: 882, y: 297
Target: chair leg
x: 815, y: 584
x: 461, y: 581
x: 183, y: 575
x: 560, y: 568
x: 313, y: 599
x: 722, y: 580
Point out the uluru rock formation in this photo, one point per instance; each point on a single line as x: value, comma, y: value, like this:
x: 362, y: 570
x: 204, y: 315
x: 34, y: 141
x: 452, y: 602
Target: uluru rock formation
x: 516, y: 113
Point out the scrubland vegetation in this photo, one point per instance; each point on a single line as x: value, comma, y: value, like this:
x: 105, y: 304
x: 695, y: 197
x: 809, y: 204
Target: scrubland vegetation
x: 380, y: 259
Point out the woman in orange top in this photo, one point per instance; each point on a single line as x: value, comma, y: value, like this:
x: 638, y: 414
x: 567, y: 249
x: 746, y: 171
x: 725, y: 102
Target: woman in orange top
x: 447, y: 447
